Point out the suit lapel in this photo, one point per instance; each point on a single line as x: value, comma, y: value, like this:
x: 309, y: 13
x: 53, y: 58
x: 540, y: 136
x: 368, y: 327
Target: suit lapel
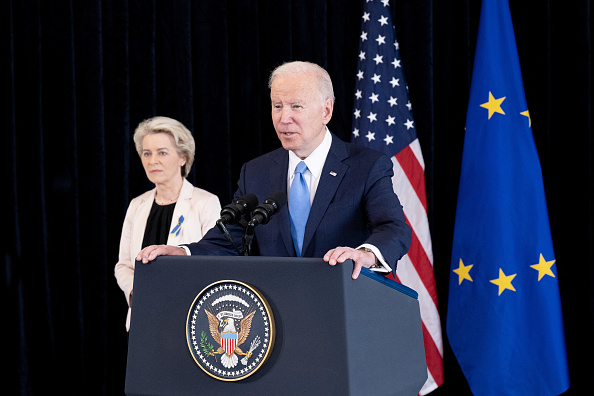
x: 331, y: 177
x: 182, y: 208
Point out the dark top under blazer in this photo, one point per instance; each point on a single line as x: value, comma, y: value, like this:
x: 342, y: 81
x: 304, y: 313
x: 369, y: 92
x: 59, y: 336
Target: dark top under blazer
x: 354, y: 204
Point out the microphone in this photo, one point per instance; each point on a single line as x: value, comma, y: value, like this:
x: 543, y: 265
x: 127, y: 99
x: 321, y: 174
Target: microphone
x: 231, y: 214
x: 264, y: 212
x: 262, y: 215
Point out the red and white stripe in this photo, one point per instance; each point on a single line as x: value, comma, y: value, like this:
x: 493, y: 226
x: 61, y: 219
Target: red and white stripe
x: 415, y: 269
x: 229, y: 345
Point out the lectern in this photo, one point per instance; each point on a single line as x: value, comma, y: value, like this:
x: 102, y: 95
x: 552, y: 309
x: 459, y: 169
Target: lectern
x: 327, y: 334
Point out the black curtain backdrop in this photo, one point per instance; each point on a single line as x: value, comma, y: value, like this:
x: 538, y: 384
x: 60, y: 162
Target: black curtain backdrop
x: 78, y: 76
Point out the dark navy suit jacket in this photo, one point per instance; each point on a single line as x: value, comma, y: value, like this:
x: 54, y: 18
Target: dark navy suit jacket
x: 354, y: 204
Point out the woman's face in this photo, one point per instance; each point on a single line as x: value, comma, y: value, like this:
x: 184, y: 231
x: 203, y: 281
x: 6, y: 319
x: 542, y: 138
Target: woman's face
x: 160, y: 159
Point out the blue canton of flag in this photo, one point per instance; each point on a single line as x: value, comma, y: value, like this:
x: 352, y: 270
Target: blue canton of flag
x: 382, y: 116
x: 504, y: 320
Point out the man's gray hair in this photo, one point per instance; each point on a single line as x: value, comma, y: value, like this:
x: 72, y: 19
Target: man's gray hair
x: 323, y: 80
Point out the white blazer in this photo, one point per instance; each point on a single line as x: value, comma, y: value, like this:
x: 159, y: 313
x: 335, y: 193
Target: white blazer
x: 200, y: 210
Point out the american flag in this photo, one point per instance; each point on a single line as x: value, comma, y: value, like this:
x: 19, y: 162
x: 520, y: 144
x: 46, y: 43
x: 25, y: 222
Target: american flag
x: 382, y: 120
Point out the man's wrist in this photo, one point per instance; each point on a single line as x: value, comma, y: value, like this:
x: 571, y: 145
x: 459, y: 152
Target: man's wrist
x: 380, y: 263
x: 377, y: 263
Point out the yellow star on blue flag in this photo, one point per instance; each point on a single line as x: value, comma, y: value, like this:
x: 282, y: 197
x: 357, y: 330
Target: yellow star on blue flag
x: 493, y: 105
x: 463, y: 272
x: 544, y: 267
x: 504, y: 281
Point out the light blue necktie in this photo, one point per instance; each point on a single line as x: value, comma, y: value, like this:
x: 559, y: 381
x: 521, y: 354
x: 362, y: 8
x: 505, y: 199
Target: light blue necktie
x: 299, y: 206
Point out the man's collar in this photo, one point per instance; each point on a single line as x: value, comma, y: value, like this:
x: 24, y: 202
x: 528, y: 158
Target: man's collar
x: 315, y: 161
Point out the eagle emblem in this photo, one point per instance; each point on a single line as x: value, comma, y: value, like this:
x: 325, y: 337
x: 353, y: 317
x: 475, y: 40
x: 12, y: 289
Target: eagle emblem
x: 230, y: 330
x: 228, y: 336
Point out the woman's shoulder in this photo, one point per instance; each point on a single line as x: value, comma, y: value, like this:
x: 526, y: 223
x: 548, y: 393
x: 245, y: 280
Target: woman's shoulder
x: 190, y: 191
x: 140, y: 203
x: 150, y: 194
x: 203, y: 195
x: 142, y: 198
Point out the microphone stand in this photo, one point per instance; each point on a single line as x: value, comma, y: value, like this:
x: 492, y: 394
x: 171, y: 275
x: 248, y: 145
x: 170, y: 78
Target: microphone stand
x: 248, y: 237
x: 223, y: 228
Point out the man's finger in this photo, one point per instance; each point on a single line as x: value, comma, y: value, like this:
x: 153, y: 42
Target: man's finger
x: 356, y: 271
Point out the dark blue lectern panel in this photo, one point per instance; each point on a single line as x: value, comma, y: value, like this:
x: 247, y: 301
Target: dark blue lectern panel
x: 335, y: 335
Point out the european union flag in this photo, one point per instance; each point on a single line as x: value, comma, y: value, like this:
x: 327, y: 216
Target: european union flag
x: 504, y: 319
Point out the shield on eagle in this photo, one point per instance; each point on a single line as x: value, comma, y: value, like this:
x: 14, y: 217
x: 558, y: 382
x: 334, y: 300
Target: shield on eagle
x: 229, y: 342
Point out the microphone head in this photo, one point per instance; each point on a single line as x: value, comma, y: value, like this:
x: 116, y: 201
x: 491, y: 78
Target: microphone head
x: 278, y: 199
x: 250, y: 201
x: 271, y: 206
x: 231, y: 214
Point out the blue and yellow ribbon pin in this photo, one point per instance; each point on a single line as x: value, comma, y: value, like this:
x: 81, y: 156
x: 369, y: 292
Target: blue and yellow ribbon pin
x: 177, y: 227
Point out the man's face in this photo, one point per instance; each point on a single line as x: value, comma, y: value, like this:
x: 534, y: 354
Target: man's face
x: 298, y: 115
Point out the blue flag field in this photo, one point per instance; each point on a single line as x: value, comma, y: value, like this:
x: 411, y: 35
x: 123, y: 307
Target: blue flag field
x: 504, y: 319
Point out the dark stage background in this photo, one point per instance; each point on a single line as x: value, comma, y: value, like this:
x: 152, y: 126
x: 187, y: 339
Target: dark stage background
x: 78, y: 76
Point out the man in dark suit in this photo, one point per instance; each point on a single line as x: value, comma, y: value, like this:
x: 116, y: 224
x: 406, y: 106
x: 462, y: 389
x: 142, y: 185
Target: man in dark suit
x: 341, y: 201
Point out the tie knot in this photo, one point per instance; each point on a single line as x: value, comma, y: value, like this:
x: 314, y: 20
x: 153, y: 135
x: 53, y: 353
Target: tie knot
x: 301, y: 167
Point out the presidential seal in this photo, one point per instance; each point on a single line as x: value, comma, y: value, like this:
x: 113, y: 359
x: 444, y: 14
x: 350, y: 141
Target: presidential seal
x: 230, y: 330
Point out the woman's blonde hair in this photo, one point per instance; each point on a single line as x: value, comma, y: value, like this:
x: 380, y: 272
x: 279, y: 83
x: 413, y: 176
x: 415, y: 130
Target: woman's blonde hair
x: 184, y: 142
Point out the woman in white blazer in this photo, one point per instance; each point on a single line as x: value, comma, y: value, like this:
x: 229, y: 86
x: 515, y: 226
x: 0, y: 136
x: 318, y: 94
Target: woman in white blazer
x: 174, y: 212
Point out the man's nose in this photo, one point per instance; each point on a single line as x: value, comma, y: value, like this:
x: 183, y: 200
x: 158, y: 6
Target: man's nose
x: 286, y: 117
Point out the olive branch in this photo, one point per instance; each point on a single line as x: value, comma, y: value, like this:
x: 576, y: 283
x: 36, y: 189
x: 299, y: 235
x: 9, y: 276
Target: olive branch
x: 207, y: 347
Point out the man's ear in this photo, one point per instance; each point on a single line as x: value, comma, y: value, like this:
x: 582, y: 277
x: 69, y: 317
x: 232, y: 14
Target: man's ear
x: 327, y: 110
